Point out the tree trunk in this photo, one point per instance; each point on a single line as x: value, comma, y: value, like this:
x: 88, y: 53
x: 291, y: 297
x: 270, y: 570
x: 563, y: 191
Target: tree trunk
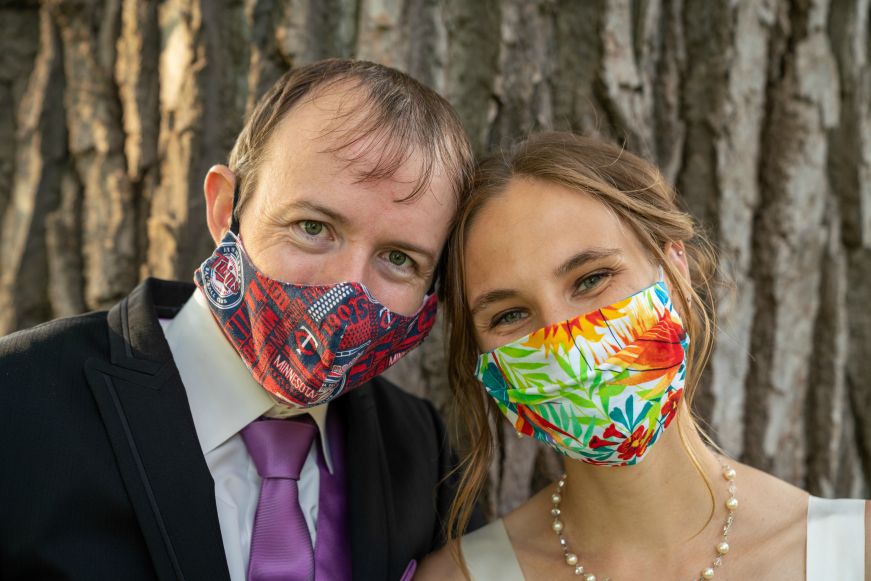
x: 758, y: 110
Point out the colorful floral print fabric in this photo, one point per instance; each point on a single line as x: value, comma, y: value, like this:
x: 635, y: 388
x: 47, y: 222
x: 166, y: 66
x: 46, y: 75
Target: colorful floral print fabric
x: 599, y: 388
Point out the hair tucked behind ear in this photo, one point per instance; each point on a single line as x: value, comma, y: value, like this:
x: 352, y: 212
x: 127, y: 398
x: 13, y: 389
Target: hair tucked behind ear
x: 638, y: 194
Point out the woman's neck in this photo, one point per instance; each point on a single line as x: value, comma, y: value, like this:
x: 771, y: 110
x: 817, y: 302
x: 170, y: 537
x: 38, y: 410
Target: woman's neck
x: 661, y: 502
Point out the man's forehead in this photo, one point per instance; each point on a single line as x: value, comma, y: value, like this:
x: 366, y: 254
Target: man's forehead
x: 321, y: 120
x: 337, y: 133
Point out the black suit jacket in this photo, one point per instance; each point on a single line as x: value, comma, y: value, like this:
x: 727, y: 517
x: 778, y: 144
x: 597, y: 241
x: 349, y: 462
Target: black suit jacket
x: 104, y: 478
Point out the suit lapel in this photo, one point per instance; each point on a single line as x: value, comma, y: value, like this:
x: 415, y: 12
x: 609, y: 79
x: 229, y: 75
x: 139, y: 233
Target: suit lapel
x: 145, y: 410
x: 371, y: 517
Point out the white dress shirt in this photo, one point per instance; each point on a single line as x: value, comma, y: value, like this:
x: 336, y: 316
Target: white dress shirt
x: 224, y: 398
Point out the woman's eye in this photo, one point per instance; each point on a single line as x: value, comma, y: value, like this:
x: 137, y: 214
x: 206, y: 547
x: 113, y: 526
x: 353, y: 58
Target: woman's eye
x: 397, y: 258
x: 312, y: 227
x: 506, y: 318
x: 591, y: 281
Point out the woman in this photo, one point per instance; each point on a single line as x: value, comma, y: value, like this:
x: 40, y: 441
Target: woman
x: 577, y: 297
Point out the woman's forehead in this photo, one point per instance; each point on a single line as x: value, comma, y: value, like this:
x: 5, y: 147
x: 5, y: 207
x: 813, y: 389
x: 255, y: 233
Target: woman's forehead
x: 536, y: 212
x: 534, y: 228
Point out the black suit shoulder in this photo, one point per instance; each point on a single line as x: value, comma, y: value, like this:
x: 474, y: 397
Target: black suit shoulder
x: 64, y: 495
x: 41, y: 367
x: 80, y: 333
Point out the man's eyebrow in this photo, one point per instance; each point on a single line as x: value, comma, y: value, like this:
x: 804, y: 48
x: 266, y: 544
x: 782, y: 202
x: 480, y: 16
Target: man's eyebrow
x: 315, y: 207
x: 582, y: 258
x: 490, y: 297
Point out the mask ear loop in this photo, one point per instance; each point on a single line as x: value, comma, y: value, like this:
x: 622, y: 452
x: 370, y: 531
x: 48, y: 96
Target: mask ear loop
x: 234, y: 224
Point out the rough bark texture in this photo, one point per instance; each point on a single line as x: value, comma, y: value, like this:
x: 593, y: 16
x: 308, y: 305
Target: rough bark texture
x: 40, y: 158
x: 758, y: 110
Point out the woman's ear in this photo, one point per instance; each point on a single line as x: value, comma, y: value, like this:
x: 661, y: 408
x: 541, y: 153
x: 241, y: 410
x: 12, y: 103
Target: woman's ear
x: 675, y: 253
x: 218, y: 188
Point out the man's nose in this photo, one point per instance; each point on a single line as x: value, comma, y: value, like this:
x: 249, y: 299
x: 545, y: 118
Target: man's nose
x: 349, y: 265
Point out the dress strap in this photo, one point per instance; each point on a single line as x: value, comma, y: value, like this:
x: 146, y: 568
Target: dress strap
x: 489, y: 554
x: 836, y: 539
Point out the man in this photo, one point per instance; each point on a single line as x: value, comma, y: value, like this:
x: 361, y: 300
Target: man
x: 237, y: 430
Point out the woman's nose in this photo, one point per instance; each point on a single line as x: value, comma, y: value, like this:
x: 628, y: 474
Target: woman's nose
x: 556, y: 310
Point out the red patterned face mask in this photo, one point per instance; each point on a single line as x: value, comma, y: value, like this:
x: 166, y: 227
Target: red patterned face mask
x: 305, y: 344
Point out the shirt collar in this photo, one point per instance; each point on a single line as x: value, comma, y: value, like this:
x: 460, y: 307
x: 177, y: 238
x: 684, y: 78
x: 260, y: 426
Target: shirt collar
x: 223, y: 396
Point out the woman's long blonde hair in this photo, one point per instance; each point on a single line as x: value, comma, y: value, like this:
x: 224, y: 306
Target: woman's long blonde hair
x: 639, y: 196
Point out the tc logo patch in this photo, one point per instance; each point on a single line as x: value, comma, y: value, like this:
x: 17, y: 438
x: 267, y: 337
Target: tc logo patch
x: 223, y: 277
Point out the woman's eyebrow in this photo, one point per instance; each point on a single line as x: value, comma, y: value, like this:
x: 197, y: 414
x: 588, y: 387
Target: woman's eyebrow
x: 582, y: 258
x: 490, y: 297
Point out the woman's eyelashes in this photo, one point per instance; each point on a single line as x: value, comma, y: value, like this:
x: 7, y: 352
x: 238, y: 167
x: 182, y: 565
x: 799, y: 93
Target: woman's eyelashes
x: 589, y: 284
x: 506, y: 318
x: 592, y: 281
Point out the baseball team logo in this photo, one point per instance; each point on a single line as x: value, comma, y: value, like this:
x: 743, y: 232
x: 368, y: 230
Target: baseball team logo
x: 223, y: 277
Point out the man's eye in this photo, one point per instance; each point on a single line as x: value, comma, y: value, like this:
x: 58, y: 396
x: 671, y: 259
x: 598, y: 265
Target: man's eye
x: 398, y: 258
x: 312, y: 227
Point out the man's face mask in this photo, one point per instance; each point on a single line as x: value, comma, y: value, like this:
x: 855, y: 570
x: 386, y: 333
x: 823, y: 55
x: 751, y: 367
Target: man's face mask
x: 601, y: 387
x: 305, y: 344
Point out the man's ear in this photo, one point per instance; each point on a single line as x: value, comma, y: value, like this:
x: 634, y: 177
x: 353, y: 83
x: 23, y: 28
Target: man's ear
x: 218, y: 188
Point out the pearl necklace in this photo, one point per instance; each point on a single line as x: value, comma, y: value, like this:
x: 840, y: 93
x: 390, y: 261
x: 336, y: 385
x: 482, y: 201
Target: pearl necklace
x: 708, y: 573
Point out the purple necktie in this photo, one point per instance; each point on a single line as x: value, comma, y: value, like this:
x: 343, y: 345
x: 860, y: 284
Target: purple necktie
x: 281, y: 547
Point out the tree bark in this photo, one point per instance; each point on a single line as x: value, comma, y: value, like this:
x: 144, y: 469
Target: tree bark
x: 40, y: 159
x: 759, y: 111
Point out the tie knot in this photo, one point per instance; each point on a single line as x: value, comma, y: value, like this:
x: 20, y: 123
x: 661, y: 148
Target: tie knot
x: 279, y: 447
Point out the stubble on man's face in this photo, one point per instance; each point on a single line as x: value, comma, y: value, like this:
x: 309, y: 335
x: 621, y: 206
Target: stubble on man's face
x: 313, y: 219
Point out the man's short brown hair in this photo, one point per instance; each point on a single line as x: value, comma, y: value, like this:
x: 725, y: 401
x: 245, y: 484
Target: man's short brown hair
x: 397, y: 113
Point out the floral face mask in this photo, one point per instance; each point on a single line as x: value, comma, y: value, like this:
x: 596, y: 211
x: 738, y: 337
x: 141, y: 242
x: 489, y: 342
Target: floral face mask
x: 601, y: 387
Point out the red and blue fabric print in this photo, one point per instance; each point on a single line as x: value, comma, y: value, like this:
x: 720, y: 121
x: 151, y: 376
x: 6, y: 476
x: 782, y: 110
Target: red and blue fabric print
x: 305, y: 344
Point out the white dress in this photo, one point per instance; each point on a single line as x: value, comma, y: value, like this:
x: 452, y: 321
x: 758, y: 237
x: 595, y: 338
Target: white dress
x: 835, y: 545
